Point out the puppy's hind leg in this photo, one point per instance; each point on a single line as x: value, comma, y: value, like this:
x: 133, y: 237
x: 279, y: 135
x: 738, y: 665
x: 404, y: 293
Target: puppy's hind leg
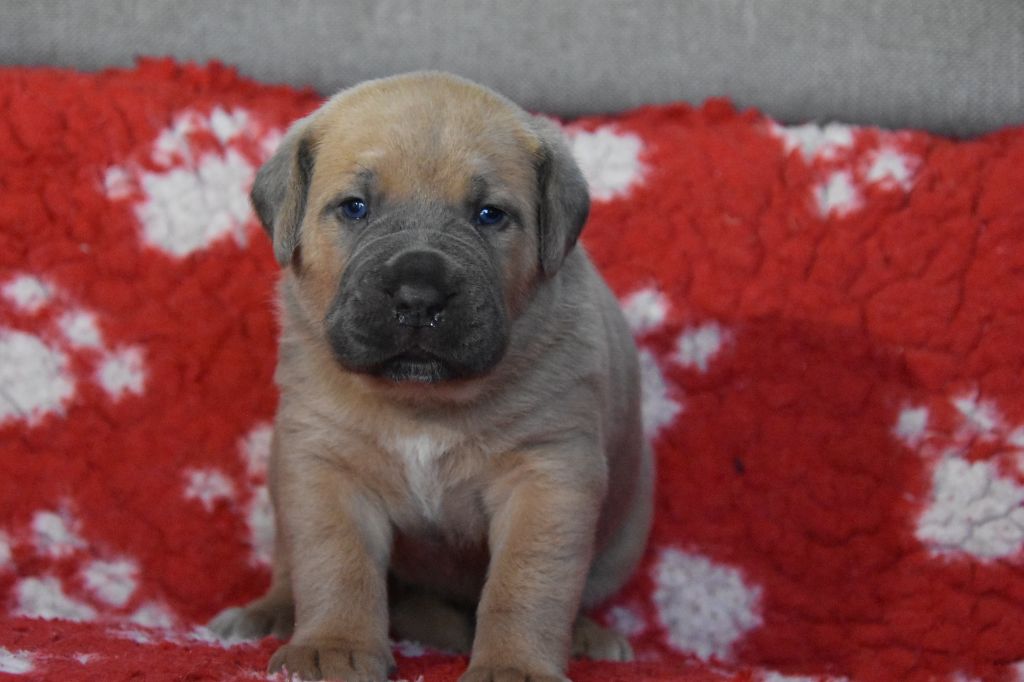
x: 271, y: 614
x: 427, y: 619
x: 591, y: 641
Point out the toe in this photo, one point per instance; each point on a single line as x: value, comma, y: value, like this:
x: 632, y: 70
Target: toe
x: 296, y: 660
x: 590, y: 640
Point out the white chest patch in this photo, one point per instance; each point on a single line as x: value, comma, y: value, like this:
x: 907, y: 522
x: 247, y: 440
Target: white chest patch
x: 422, y: 457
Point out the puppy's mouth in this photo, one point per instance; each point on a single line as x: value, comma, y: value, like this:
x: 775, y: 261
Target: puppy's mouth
x: 415, y: 366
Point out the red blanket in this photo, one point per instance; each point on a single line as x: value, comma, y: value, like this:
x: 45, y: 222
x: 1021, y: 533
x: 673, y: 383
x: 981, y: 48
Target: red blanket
x: 831, y: 322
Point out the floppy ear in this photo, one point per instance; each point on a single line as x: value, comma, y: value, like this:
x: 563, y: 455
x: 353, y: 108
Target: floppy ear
x: 564, y: 200
x: 279, y: 191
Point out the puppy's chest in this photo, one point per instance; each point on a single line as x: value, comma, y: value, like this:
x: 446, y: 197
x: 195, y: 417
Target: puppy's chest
x: 436, y: 490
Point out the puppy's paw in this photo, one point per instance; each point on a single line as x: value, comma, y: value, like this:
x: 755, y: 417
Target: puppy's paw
x: 331, y: 661
x: 255, y: 621
x: 486, y: 673
x: 590, y: 640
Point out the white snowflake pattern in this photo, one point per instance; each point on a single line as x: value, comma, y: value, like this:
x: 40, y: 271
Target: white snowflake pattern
x: 208, y: 486
x: 973, y: 508
x: 609, y: 160
x: 846, y: 169
x: 705, y: 608
x: 187, y: 198
x: 697, y: 346
x: 36, y: 376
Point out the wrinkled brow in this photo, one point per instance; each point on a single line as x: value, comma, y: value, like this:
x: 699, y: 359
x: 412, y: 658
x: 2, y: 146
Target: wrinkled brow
x: 484, y: 189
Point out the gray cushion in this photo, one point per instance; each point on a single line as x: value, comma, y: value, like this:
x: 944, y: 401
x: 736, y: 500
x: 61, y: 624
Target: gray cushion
x: 951, y: 66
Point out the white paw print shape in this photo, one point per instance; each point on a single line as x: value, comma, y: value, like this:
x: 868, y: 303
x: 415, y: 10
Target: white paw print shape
x: 36, y: 349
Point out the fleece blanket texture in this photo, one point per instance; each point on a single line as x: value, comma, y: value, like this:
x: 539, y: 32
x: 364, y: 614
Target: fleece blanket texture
x: 830, y: 321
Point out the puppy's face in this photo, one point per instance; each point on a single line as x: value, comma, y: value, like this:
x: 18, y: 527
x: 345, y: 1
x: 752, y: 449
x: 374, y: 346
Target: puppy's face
x: 418, y: 214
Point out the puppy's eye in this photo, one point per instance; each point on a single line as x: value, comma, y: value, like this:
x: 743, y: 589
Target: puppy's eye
x: 489, y: 216
x: 353, y: 209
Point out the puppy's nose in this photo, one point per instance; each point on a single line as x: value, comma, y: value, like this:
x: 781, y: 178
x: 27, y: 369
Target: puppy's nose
x: 418, y: 305
x: 418, y: 288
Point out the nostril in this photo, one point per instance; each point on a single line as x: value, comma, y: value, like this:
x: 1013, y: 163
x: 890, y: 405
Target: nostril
x: 418, y: 305
x: 418, y: 297
x: 419, y: 284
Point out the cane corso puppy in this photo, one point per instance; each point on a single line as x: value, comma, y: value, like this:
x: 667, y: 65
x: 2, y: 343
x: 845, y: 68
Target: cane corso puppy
x: 458, y: 454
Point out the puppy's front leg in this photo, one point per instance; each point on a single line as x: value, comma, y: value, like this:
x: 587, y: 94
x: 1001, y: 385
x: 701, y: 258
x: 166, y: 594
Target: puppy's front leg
x: 338, y: 540
x: 541, y: 539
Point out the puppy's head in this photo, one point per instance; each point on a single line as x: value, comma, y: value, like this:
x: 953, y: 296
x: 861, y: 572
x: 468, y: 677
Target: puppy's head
x: 417, y: 214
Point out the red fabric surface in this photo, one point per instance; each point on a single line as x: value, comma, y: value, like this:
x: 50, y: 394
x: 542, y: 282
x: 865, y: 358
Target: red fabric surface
x: 832, y: 322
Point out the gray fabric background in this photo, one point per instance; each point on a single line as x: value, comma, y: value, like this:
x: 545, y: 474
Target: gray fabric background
x: 952, y: 66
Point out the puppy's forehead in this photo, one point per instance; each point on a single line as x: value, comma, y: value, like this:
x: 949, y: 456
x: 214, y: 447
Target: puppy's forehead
x: 426, y: 136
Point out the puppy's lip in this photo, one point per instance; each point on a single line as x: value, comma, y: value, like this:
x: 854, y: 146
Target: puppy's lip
x: 416, y: 354
x: 414, y: 368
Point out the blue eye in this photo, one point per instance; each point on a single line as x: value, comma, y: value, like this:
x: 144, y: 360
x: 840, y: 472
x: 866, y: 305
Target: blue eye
x: 489, y: 216
x: 354, y: 209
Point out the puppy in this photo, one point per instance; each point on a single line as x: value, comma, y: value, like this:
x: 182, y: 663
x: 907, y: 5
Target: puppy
x: 458, y: 442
